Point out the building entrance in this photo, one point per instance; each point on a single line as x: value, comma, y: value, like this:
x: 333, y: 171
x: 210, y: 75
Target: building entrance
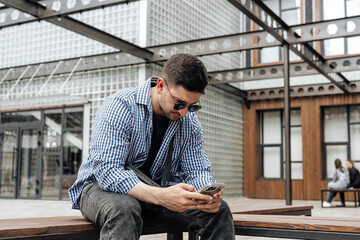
x: 20, y: 160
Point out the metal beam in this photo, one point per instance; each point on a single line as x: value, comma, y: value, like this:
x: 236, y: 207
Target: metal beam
x: 55, y: 8
x: 301, y: 91
x: 119, y: 59
x: 317, y: 31
x: 323, y: 30
x: 37, y: 10
x: 335, y: 65
x: 265, y: 18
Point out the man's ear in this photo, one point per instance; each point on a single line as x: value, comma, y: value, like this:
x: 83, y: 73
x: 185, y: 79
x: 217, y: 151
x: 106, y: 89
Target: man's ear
x: 160, y: 85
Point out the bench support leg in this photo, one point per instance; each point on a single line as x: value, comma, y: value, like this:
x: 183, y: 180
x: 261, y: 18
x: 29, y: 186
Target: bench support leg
x: 193, y: 236
x: 175, y: 236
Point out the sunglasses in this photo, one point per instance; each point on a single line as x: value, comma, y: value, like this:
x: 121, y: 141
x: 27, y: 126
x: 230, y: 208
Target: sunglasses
x: 179, y: 106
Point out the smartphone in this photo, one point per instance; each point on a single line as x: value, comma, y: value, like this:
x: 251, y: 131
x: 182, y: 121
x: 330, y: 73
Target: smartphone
x: 212, y: 188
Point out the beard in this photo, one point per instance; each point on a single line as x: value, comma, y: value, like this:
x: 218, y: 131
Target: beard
x: 172, y: 116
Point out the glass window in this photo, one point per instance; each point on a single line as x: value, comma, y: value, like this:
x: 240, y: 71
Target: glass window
x: 290, y: 4
x: 74, y: 118
x: 50, y: 177
x: 271, y: 127
x: 333, y: 9
x: 289, y: 11
x: 66, y: 184
x: 333, y: 152
x: 272, y: 144
x: 72, y: 152
x: 52, y: 130
x: 335, y: 124
x: 271, y: 162
x: 341, y: 136
x: 28, y: 116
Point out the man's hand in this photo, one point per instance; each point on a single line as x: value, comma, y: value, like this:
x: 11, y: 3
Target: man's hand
x: 179, y: 198
x: 213, y: 205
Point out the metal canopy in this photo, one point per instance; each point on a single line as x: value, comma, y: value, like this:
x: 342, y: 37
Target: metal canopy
x: 55, y: 8
x: 264, y: 17
x: 277, y: 32
x: 37, y: 10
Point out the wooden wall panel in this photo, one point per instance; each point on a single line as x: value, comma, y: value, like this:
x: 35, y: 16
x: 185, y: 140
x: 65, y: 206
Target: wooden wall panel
x: 309, y: 187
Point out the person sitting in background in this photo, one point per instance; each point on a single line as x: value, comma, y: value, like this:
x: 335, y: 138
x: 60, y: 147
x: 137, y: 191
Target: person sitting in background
x: 354, y: 180
x: 341, y: 180
x: 354, y: 175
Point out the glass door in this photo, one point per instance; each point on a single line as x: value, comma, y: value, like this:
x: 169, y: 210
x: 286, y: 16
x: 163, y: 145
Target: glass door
x: 19, y: 162
x: 28, y: 182
x: 8, y: 162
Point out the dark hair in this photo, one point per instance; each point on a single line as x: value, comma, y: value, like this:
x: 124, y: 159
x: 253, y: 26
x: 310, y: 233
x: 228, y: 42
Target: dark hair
x: 352, y: 162
x: 338, y: 165
x: 187, y: 71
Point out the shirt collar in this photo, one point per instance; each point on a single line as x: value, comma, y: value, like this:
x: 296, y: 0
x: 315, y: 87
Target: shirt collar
x: 144, y: 94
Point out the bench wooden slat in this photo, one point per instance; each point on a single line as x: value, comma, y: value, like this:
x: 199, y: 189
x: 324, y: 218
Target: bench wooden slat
x: 41, y: 226
x: 342, y: 189
x: 297, y: 223
x: 241, y: 209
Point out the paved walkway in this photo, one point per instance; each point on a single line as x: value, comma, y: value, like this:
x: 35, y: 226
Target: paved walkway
x: 11, y: 208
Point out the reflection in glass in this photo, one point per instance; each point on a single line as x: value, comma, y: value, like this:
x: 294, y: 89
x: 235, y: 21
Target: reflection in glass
x: 74, y: 119
x: 29, y: 116
x: 355, y: 141
x: 271, y: 167
x: 52, y: 140
x: 296, y: 171
x: 353, y: 45
x: 53, y: 117
x: 50, y: 177
x: 272, y: 127
x: 295, y: 142
x: 8, y: 150
x: 27, y: 187
x: 52, y: 130
x: 72, y: 152
x: 66, y: 184
x: 354, y: 113
x: 335, y: 124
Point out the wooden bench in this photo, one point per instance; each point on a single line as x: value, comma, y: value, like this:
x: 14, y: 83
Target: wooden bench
x: 355, y: 191
x: 76, y: 227
x: 296, y: 227
x: 279, y: 226
x: 70, y: 227
x: 273, y: 210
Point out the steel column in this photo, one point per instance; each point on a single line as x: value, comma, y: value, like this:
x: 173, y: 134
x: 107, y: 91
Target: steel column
x: 288, y: 190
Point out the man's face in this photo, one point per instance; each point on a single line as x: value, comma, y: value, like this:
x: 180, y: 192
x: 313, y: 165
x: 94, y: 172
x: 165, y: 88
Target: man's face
x: 171, y: 95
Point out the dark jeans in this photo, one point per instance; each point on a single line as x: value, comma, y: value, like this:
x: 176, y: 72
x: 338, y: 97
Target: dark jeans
x: 122, y: 217
x: 331, y: 195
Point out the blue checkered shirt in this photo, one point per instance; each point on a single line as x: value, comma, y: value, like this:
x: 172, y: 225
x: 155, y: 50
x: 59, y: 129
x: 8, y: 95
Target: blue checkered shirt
x: 122, y: 132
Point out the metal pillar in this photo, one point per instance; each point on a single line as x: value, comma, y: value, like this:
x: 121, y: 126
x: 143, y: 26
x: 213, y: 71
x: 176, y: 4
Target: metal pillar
x: 288, y: 190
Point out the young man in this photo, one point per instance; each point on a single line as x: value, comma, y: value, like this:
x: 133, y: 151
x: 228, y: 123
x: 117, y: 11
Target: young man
x: 136, y: 126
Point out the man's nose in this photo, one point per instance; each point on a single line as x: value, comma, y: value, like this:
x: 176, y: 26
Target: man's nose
x: 183, y: 112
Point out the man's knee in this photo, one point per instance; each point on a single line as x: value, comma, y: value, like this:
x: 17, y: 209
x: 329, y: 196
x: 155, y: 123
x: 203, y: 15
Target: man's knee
x: 224, y: 208
x: 124, y: 205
